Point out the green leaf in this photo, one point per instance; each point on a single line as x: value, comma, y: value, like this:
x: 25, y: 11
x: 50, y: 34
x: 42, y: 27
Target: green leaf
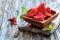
x: 49, y: 28
x: 25, y: 12
x: 21, y: 16
x: 24, y: 9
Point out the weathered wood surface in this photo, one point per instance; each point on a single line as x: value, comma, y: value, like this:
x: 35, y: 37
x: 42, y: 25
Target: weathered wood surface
x: 9, y: 8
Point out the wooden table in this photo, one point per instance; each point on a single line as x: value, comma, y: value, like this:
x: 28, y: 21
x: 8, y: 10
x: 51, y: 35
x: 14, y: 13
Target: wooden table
x: 12, y: 8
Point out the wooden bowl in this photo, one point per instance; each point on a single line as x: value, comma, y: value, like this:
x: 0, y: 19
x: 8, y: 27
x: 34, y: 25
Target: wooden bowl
x: 40, y: 24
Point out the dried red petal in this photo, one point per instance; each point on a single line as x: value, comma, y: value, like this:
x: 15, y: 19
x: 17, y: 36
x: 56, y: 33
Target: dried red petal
x: 13, y: 20
x: 32, y: 12
x: 48, y: 10
x: 41, y: 8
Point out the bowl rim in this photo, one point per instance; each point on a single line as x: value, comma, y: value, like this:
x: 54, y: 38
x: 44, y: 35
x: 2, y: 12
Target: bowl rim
x: 42, y: 21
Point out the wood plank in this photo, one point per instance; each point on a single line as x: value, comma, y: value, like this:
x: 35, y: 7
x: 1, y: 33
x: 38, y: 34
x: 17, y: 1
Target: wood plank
x: 9, y: 9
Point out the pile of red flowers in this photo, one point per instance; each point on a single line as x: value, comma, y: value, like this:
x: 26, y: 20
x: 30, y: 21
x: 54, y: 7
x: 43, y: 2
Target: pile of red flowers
x: 40, y: 13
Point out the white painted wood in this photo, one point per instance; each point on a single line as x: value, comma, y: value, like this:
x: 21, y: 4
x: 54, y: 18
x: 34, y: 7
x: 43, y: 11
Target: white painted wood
x: 9, y: 8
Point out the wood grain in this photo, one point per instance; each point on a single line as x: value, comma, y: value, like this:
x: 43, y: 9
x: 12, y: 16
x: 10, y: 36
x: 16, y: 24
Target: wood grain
x: 9, y: 8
